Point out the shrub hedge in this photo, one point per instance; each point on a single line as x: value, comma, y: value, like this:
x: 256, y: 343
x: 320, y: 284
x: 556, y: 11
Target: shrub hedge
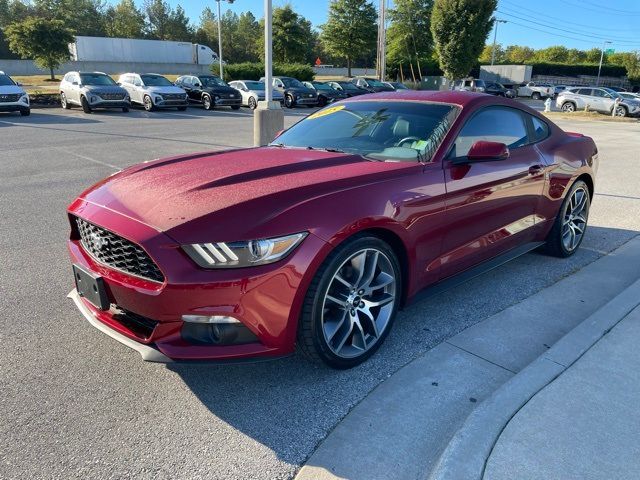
x: 253, y: 71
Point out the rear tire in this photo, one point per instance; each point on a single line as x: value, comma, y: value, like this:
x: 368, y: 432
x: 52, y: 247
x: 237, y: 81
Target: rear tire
x: 289, y: 102
x: 621, y: 111
x: 568, y: 107
x: 125, y: 109
x: 252, y: 103
x: 25, y: 113
x: 351, y: 303
x: 536, y: 95
x: 570, y: 225
x: 182, y: 109
x: 86, y: 108
x: 235, y: 107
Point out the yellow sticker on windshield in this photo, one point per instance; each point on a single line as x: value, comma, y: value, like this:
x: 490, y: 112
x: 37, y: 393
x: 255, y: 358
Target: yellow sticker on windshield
x: 326, y: 111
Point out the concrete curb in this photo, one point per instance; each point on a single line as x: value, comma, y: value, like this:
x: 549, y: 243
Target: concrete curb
x: 467, y: 452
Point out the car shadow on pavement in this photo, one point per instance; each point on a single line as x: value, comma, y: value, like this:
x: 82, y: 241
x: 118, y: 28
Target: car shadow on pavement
x: 8, y: 120
x: 289, y: 405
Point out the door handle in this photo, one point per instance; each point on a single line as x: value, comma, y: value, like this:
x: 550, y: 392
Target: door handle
x: 536, y: 170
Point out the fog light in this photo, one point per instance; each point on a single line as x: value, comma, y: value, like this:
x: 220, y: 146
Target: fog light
x: 217, y: 319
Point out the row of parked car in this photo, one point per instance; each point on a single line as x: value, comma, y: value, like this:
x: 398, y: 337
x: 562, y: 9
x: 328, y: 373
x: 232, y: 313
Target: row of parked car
x: 599, y: 99
x: 94, y: 90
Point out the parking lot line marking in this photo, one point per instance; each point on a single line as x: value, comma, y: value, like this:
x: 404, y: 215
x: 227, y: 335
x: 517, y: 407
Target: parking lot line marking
x: 99, y: 162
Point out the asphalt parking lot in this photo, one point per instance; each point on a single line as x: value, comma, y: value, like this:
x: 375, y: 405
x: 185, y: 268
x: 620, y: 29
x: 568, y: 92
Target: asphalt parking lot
x: 77, y: 404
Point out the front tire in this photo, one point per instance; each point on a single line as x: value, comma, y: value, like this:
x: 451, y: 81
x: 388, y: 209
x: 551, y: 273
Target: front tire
x: 206, y: 102
x: 570, y: 225
x: 253, y: 104
x: 289, y: 102
x: 125, y: 109
x: 536, y: 95
x: 86, y: 108
x: 148, y: 104
x: 63, y: 102
x: 182, y: 109
x: 620, y: 111
x: 235, y: 107
x: 351, y: 303
x: 568, y: 107
x: 322, y: 101
x: 25, y: 112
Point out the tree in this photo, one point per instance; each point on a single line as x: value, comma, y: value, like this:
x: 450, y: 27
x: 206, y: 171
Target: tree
x: 518, y: 54
x: 125, y: 20
x: 593, y: 55
x: 11, y: 11
x: 408, y: 37
x: 351, y: 30
x: 246, y: 37
x: 554, y: 54
x: 292, y: 37
x: 158, y: 18
x: 82, y: 17
x: 487, y: 53
x: 207, y: 30
x: 43, y: 40
x: 460, y: 29
x: 178, y: 28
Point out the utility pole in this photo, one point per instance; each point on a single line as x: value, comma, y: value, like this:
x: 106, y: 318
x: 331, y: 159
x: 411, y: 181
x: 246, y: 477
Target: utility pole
x: 220, y: 37
x: 382, y: 41
x: 495, y: 36
x: 604, y: 44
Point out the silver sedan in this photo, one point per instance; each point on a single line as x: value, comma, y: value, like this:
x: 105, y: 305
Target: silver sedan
x: 253, y: 92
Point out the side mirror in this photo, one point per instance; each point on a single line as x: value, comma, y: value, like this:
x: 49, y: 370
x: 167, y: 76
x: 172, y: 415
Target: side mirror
x: 482, y: 151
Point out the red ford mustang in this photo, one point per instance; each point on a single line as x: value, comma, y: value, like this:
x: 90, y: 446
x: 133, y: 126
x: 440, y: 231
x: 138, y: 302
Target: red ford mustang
x: 318, y: 239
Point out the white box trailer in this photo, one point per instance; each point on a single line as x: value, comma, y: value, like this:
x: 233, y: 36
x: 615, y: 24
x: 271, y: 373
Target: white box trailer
x: 506, y: 74
x: 105, y: 49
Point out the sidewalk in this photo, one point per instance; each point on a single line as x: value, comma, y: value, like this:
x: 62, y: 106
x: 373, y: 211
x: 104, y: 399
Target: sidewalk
x: 585, y: 424
x: 440, y: 416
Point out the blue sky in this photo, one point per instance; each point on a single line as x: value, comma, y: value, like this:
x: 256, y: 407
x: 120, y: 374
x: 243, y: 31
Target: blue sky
x: 580, y: 24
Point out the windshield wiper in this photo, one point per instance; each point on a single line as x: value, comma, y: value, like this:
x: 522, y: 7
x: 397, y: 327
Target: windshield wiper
x: 330, y: 150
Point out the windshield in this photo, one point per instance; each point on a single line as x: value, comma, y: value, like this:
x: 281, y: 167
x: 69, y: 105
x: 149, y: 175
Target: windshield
x: 6, y: 80
x: 155, y: 81
x: 400, y: 86
x: 349, y: 86
x: 96, y: 79
x: 254, y: 85
x: 322, y: 86
x: 613, y: 93
x: 383, y: 131
x: 375, y: 83
x: 292, y: 83
x: 212, y: 82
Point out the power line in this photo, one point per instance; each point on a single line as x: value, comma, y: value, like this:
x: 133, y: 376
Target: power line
x: 606, y: 10
x: 552, y: 33
x: 536, y: 14
x: 609, y: 9
x: 619, y: 40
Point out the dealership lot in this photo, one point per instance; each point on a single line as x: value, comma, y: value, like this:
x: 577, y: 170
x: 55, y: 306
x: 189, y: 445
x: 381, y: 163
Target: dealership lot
x: 76, y: 404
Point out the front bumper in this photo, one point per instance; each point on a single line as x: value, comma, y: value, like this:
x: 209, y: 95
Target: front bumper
x: 228, y: 102
x: 17, y: 106
x: 306, y: 101
x: 267, y: 299
x: 110, y: 104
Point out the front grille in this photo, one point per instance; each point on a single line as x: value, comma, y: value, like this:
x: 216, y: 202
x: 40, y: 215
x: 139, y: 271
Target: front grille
x: 141, y: 326
x: 174, y: 96
x: 10, y: 97
x: 112, y: 96
x: 117, y: 252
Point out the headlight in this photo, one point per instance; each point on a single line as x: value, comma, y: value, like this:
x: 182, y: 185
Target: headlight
x: 159, y: 99
x: 25, y: 98
x: 94, y: 99
x: 243, y: 254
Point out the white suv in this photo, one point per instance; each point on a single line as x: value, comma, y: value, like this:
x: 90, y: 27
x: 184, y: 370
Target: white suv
x: 91, y: 90
x: 153, y: 91
x: 599, y: 99
x: 12, y: 97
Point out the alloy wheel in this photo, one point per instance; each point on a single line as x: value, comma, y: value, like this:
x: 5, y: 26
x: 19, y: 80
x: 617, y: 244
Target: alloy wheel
x: 359, y: 303
x: 621, y: 112
x: 575, y: 218
x: 252, y: 103
x: 206, y: 102
x: 568, y: 107
x: 63, y: 100
x: 148, y: 104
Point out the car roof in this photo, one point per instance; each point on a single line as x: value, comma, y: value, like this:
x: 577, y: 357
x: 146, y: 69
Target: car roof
x: 462, y: 99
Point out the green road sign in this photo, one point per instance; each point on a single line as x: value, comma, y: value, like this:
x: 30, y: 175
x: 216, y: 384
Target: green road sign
x: 610, y: 51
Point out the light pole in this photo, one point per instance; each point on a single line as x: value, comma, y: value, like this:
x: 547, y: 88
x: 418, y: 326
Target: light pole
x: 220, y: 37
x: 604, y: 44
x: 495, y: 35
x: 268, y: 118
x: 382, y: 41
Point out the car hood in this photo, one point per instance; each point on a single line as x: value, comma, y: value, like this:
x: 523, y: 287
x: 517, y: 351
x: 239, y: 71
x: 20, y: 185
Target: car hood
x: 11, y: 90
x: 166, y: 89
x: 301, y: 90
x: 221, y: 89
x: 331, y: 94
x: 236, y: 192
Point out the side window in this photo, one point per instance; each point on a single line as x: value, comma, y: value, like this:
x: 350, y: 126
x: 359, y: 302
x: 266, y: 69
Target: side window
x: 598, y: 93
x: 540, y: 129
x: 584, y: 91
x: 187, y: 81
x: 504, y: 125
